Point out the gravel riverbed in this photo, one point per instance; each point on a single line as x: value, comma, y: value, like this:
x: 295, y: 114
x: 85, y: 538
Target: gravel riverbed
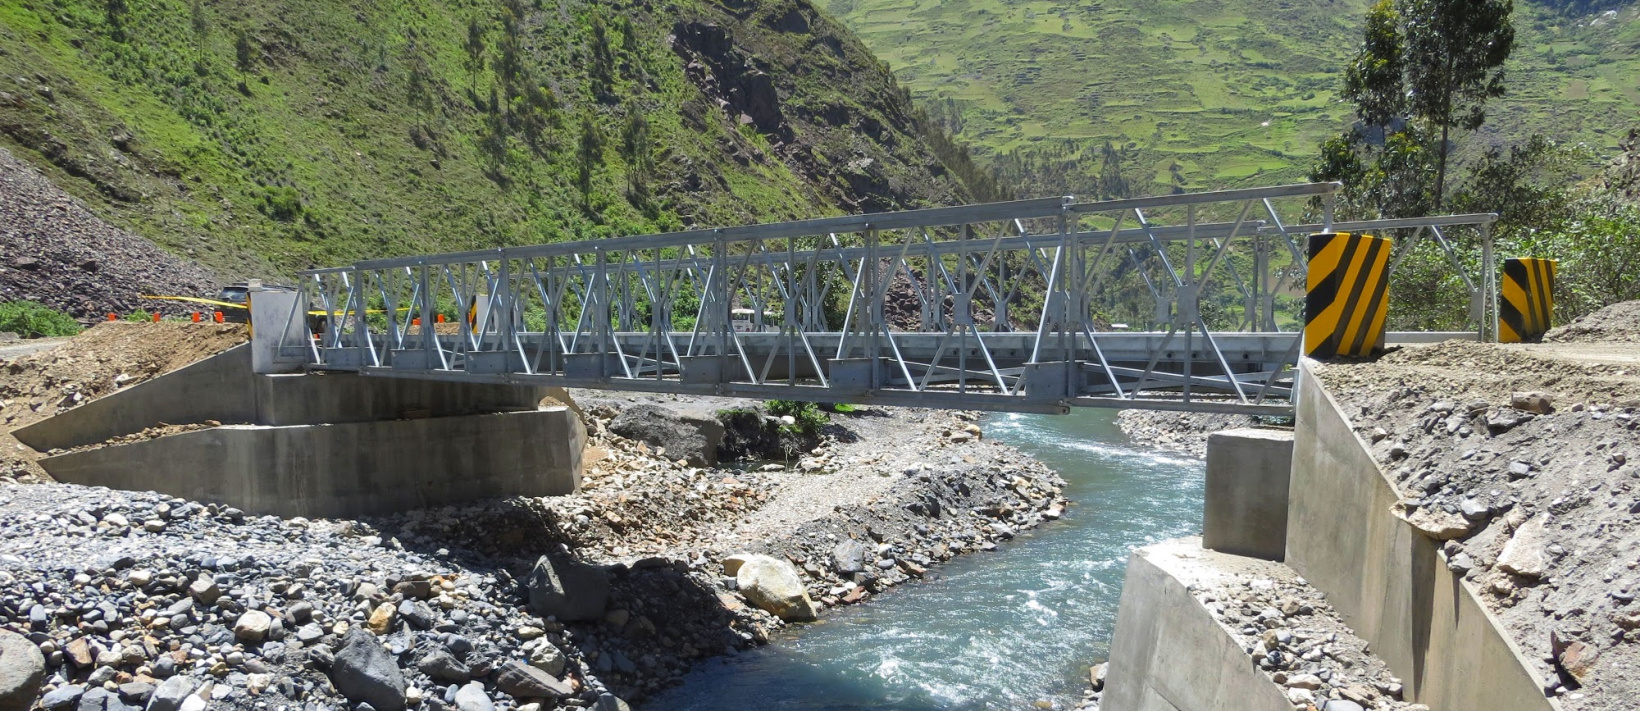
x: 144, y: 600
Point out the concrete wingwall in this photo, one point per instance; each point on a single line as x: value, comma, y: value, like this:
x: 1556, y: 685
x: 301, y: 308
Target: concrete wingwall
x: 1168, y: 653
x: 223, y: 388
x: 217, y: 388
x: 347, y: 469
x: 1388, y: 580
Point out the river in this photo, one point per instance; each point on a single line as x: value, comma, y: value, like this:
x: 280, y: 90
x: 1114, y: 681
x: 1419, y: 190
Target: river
x: 999, y: 630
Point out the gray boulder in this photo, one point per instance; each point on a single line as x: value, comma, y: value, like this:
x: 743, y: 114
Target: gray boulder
x: 171, y: 693
x: 473, y: 698
x: 849, y: 556
x: 570, y: 591
x: 526, y: 682
x: 366, y: 673
x: 21, y: 669
x: 689, y: 437
x: 63, y: 697
x: 443, y: 667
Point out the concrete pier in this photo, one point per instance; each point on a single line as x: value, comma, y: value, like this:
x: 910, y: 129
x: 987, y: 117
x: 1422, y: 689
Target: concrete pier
x: 1245, y: 511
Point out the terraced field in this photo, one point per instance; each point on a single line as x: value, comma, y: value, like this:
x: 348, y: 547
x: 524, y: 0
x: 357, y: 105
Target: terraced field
x: 1219, y: 92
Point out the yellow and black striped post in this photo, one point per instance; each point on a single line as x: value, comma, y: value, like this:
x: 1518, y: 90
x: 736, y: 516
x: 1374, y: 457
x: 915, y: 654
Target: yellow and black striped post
x: 1347, y: 295
x: 1528, y: 303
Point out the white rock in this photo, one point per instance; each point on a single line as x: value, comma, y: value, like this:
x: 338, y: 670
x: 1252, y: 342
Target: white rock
x: 252, y: 626
x: 1304, y: 681
x: 1524, y: 554
x: 774, y: 585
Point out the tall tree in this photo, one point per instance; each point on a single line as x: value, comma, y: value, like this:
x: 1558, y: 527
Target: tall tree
x: 1372, y: 80
x: 475, y: 53
x: 589, y: 155
x: 1455, y: 50
x: 635, y: 150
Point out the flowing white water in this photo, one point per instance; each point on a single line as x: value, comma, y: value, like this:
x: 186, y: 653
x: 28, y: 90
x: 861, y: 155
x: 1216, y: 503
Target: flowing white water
x: 997, y: 630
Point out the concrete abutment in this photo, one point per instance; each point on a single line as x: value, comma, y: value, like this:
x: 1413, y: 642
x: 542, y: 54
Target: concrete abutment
x: 1386, y: 579
x: 330, y: 445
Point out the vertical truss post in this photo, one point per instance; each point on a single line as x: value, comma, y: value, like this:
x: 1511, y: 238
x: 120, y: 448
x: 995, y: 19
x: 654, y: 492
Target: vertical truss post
x: 1489, y: 287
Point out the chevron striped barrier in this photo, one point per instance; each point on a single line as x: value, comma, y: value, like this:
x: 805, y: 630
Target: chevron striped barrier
x: 1528, y: 303
x: 1346, y: 295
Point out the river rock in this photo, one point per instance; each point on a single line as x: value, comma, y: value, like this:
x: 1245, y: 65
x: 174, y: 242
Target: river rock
x: 569, y: 591
x: 473, y: 698
x: 171, y: 693
x: 774, y: 585
x: 849, y: 557
x: 252, y: 626
x: 547, y: 658
x: 441, y: 666
x: 64, y: 697
x: 684, y: 437
x: 610, y: 702
x: 527, y: 682
x: 1524, y: 554
x: 366, y: 673
x: 21, y: 669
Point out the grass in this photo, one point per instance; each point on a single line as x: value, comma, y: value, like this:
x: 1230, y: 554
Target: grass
x: 1194, y: 82
x: 261, y: 138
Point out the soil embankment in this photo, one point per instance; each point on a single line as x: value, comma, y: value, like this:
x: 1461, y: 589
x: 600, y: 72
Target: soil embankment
x: 125, y: 592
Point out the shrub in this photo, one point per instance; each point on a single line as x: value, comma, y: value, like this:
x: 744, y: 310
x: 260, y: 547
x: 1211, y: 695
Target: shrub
x: 809, y: 417
x: 34, y: 320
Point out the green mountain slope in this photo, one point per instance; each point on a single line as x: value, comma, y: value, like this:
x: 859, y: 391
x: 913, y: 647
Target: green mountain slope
x: 262, y: 137
x: 1208, y: 93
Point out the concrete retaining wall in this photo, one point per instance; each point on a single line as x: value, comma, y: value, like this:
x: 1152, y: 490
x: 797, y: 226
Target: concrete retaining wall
x: 1168, y: 652
x: 347, y: 470
x: 1389, y: 581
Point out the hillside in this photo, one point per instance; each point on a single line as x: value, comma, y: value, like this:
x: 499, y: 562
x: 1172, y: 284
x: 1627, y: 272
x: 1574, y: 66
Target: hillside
x: 259, y: 138
x: 1210, y: 93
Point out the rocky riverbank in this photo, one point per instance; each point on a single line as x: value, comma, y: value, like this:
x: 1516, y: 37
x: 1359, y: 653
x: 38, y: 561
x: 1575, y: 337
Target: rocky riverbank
x: 137, y: 599
x: 1181, y: 432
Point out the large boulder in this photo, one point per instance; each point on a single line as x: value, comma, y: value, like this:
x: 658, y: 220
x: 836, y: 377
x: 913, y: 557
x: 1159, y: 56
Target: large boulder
x: 689, y: 437
x: 569, y: 591
x: 366, y: 673
x: 21, y: 669
x: 774, y: 585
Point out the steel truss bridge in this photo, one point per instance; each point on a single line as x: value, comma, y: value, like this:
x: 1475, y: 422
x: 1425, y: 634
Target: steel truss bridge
x: 1005, y: 306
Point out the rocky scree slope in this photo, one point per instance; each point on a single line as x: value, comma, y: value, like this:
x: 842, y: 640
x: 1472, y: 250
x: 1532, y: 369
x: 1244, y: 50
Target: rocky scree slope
x: 562, y: 602
x: 1524, y: 460
x: 60, y: 254
x: 259, y: 138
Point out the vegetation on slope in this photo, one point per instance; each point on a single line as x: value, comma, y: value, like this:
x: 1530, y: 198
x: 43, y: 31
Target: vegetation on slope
x: 258, y: 138
x: 1200, y: 94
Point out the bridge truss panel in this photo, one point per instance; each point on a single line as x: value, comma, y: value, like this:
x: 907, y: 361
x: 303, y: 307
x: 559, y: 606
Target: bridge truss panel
x: 1004, y: 306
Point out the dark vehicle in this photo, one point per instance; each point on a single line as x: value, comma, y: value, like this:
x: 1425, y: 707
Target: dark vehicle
x: 239, y: 294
